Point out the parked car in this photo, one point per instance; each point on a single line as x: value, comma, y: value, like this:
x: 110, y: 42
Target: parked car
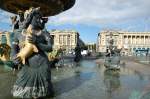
x: 84, y: 52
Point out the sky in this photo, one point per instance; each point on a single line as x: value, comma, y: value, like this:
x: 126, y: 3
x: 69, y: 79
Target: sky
x: 90, y: 17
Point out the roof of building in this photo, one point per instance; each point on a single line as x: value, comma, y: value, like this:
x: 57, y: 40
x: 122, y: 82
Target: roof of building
x: 60, y: 31
x: 125, y: 32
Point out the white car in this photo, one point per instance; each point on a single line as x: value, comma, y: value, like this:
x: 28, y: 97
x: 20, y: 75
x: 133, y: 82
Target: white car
x: 84, y: 52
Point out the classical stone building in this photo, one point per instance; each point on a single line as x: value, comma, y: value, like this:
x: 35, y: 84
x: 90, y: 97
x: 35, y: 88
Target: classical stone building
x: 130, y: 42
x: 64, y: 38
x: 5, y: 38
x: 91, y: 47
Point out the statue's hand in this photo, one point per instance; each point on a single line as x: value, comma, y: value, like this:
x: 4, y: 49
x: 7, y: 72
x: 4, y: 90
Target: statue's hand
x: 32, y: 39
x: 17, y: 60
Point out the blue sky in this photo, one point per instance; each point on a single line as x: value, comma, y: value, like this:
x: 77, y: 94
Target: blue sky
x: 89, y: 17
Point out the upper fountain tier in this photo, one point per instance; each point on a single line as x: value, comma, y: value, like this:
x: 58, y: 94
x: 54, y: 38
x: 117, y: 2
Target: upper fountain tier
x: 48, y: 7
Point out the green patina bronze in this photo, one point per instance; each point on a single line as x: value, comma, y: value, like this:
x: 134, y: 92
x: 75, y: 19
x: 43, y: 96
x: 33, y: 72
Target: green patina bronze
x: 48, y: 7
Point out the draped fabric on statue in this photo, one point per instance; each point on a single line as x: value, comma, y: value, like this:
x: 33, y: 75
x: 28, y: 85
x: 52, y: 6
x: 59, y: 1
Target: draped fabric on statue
x: 34, y: 79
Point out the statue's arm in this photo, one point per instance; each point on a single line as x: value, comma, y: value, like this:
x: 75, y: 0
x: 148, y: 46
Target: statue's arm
x: 16, y: 25
x: 27, y: 21
x: 45, y: 47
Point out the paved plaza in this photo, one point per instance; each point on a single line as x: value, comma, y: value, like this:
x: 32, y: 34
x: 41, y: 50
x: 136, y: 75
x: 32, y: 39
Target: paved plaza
x: 88, y: 80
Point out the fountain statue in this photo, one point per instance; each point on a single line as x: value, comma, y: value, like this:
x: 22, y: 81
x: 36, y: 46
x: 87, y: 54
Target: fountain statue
x: 112, y: 57
x: 4, y: 52
x: 34, y: 78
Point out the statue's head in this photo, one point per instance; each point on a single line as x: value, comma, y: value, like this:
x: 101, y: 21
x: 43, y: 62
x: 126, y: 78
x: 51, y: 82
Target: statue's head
x: 35, y: 10
x: 31, y: 8
x: 38, y: 8
x: 27, y: 12
x: 21, y: 14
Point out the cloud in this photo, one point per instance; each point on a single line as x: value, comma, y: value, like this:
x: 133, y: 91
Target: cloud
x: 104, y: 11
x: 5, y: 17
x: 99, y: 12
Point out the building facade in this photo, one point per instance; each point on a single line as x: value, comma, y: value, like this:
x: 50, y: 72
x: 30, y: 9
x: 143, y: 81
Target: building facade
x: 64, y: 38
x: 91, y: 47
x: 5, y: 38
x: 130, y: 42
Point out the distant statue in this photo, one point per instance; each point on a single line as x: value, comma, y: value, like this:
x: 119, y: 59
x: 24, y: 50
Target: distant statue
x: 55, y: 56
x: 14, y: 22
x: 78, y: 55
x: 17, y: 23
x: 17, y: 37
x: 4, y: 52
x: 112, y: 60
x: 4, y: 48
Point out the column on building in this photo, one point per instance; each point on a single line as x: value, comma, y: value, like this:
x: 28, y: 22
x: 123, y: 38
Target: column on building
x: 100, y: 41
x: 124, y: 39
x: 131, y: 39
x: 137, y: 37
x: 144, y: 40
x: 91, y: 47
x: 128, y: 39
x: 66, y: 41
x: 57, y: 44
x: 135, y: 40
x: 61, y: 40
x: 148, y: 39
x: 140, y: 39
x: 71, y: 39
x: 8, y: 38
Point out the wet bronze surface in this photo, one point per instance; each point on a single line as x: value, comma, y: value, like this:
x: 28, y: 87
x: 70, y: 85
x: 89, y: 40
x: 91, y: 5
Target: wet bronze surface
x: 48, y: 7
